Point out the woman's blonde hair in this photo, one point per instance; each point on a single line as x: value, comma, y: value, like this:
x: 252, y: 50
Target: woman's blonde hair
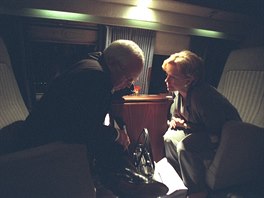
x: 186, y: 63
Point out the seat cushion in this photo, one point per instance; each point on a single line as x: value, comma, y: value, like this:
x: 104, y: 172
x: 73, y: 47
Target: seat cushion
x: 55, y: 170
x: 239, y: 157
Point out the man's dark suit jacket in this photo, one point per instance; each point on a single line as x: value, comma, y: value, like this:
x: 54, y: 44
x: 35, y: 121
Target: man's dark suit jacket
x: 74, y: 107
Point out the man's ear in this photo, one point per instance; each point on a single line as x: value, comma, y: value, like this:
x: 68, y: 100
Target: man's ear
x: 113, y: 65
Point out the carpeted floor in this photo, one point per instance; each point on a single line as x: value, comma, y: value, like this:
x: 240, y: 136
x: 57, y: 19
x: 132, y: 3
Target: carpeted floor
x: 249, y: 190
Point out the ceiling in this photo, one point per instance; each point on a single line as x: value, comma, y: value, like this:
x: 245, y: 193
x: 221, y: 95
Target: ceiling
x: 228, y: 19
x: 253, y: 8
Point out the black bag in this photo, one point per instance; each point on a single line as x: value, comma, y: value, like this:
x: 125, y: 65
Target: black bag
x: 142, y: 155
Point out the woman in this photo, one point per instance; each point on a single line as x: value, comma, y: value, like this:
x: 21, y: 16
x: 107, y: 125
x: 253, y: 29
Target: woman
x: 197, y: 116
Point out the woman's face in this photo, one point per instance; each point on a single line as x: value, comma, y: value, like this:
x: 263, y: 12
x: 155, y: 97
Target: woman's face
x: 176, y: 81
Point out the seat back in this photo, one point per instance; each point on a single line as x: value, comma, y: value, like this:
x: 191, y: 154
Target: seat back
x: 242, y: 83
x: 12, y: 104
x: 239, y: 158
x: 53, y: 170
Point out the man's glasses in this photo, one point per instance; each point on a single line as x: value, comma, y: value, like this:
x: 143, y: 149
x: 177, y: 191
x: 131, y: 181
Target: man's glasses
x: 129, y: 79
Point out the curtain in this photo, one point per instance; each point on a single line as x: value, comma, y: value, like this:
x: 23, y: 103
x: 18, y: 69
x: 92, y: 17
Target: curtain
x: 146, y: 41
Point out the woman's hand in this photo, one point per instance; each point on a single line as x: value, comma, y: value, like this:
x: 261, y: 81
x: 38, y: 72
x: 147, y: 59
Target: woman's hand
x: 177, y: 122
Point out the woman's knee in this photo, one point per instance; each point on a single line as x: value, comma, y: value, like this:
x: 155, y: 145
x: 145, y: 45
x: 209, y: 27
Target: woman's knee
x: 169, y: 145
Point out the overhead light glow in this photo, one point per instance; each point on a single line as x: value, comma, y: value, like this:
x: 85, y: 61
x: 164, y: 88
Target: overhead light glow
x: 208, y: 33
x: 143, y: 3
x: 141, y: 11
x: 52, y: 14
x: 143, y: 24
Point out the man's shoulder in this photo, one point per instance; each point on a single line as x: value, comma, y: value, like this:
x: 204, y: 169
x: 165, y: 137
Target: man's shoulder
x: 88, y: 64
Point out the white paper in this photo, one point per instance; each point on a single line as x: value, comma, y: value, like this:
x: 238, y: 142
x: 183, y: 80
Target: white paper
x: 166, y: 174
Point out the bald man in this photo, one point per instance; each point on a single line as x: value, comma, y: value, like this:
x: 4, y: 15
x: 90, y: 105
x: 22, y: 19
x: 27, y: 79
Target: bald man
x: 74, y: 108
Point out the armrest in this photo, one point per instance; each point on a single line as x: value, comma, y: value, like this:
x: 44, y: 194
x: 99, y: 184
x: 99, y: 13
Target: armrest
x: 239, y: 157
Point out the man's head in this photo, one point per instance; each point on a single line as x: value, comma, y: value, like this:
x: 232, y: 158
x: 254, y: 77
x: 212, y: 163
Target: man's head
x: 125, y: 60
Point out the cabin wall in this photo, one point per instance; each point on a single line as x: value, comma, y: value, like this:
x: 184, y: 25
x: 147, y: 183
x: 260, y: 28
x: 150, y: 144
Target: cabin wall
x: 30, y: 39
x: 169, y: 43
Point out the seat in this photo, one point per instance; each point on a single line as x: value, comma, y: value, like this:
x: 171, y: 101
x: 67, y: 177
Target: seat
x: 52, y: 170
x: 239, y: 158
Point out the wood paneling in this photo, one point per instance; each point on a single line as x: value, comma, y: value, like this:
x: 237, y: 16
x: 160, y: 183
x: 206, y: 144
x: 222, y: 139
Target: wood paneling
x: 62, y: 35
x: 141, y: 112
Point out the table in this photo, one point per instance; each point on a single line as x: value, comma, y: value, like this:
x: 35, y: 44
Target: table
x: 145, y: 111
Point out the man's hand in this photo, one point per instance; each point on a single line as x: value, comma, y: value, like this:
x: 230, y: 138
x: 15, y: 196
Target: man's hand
x: 123, y: 139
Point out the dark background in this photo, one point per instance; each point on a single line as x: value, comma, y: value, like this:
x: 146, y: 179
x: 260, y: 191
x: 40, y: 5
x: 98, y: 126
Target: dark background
x: 254, y: 8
